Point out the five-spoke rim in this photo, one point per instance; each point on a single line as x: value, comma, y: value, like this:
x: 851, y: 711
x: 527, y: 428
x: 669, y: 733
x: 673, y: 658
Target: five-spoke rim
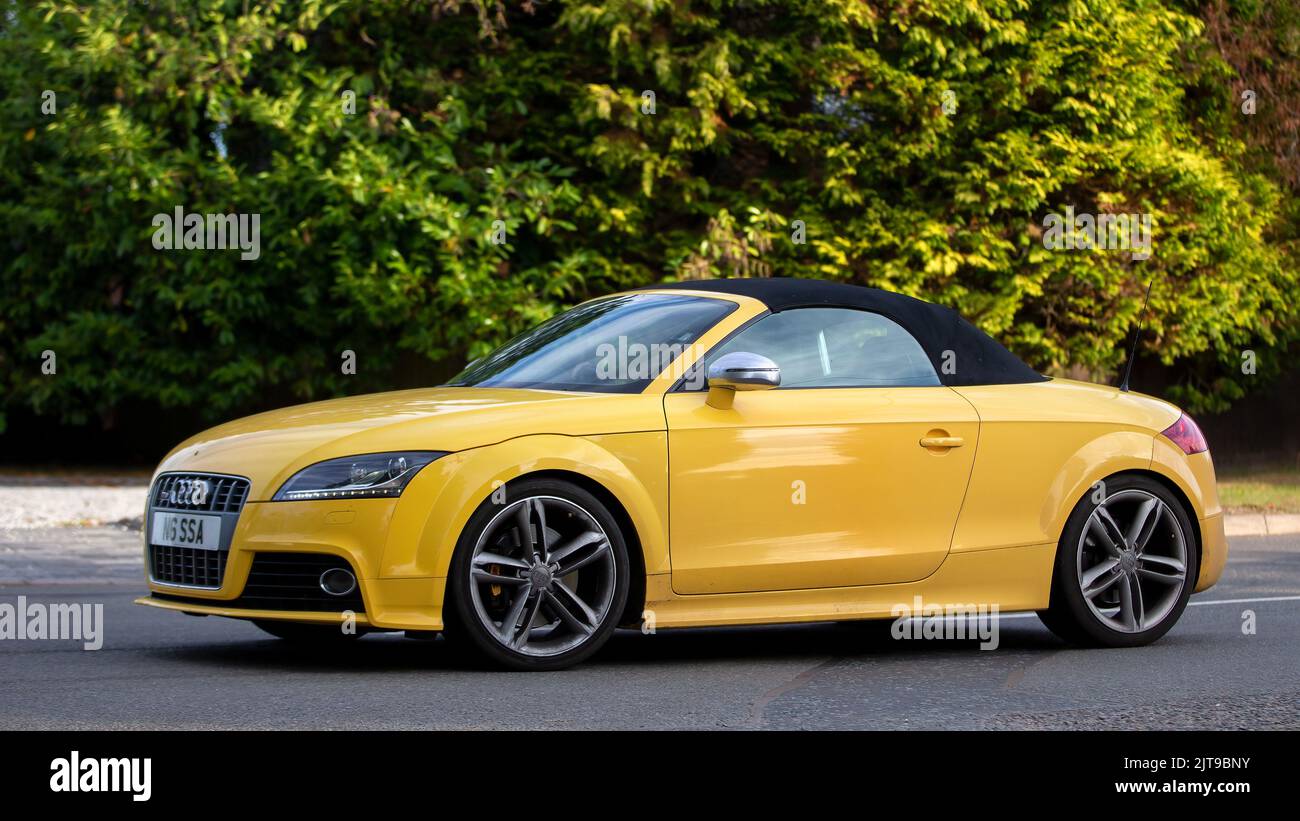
x: 542, y: 576
x: 1132, y: 561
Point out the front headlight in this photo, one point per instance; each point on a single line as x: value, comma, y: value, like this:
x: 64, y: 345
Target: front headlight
x: 373, y: 475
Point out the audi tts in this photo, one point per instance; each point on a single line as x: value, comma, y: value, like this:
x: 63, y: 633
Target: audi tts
x: 807, y: 451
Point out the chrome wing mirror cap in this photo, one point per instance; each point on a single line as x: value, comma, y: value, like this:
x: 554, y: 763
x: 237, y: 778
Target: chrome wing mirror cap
x: 744, y: 371
x: 740, y: 371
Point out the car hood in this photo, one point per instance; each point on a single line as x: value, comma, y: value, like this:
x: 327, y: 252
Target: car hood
x: 269, y: 447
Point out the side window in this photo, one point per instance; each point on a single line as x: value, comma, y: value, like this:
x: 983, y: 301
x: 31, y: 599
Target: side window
x: 835, y: 348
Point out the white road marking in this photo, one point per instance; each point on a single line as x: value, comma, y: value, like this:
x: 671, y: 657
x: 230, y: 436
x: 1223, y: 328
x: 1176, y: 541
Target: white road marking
x: 1246, y: 601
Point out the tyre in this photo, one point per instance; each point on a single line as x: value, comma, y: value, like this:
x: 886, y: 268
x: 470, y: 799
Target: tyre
x: 307, y: 633
x: 539, y: 581
x: 1125, y: 567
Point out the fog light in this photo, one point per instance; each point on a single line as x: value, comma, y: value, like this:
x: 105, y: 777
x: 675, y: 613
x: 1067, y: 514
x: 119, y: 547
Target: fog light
x: 338, y: 582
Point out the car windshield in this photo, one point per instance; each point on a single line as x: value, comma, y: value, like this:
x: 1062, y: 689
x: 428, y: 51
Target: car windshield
x: 613, y: 345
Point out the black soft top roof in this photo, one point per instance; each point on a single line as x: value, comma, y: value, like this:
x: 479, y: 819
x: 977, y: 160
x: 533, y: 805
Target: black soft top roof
x: 979, y: 359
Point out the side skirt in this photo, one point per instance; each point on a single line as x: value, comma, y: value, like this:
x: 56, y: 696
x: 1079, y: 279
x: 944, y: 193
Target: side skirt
x: 1013, y: 578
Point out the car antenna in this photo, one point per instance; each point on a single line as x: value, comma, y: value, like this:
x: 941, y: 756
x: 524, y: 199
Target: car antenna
x: 1132, y: 354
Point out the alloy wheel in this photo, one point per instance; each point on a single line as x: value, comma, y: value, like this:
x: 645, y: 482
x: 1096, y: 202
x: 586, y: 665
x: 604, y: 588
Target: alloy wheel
x: 1131, y: 561
x: 542, y: 576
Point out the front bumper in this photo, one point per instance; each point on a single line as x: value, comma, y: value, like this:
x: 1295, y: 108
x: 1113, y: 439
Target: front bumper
x: 391, y: 604
x: 356, y: 531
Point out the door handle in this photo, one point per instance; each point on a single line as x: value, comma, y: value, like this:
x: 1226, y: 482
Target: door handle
x: 942, y: 441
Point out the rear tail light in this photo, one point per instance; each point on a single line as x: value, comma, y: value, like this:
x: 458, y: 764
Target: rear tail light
x: 1185, y: 434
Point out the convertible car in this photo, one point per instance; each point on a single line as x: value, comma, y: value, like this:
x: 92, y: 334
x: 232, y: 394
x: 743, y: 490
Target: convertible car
x: 724, y: 452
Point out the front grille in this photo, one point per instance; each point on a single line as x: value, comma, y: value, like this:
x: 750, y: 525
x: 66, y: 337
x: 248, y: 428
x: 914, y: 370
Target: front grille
x: 209, y: 494
x: 225, y: 494
x: 287, y: 581
x: 187, y: 565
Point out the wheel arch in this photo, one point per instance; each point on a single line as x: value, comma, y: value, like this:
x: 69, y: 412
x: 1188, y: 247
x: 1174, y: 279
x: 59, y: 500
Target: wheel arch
x: 620, y: 470
x: 1167, y: 482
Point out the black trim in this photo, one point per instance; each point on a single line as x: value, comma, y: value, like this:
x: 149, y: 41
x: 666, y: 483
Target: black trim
x: 285, y: 581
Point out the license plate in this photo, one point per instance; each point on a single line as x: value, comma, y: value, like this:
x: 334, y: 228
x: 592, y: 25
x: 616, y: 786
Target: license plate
x: 186, y: 530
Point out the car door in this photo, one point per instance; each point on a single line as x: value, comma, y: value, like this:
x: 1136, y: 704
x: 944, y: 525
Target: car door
x: 852, y: 472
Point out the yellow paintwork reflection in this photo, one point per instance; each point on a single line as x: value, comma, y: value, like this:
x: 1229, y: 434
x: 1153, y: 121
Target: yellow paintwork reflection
x: 814, y: 488
x: 792, y: 505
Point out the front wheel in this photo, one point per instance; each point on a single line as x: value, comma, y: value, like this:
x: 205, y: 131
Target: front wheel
x: 539, y: 579
x: 1125, y: 567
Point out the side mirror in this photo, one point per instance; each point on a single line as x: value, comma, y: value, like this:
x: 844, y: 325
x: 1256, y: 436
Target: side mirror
x: 740, y: 371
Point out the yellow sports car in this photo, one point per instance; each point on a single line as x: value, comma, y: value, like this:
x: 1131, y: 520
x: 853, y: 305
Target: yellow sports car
x: 702, y: 453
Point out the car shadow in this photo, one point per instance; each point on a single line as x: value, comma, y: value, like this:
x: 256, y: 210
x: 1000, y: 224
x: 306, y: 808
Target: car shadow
x: 837, y: 639
x: 391, y: 652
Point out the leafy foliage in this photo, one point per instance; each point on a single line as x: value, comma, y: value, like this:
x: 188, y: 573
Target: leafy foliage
x: 376, y: 225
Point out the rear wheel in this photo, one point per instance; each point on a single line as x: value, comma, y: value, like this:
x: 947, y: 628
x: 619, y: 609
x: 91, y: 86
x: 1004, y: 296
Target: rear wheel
x: 538, y: 582
x: 1125, y: 566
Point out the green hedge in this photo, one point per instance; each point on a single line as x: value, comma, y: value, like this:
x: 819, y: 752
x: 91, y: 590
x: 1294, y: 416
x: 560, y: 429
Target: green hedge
x: 921, y: 144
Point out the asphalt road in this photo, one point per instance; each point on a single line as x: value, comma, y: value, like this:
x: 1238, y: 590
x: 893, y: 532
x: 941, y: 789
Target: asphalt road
x: 166, y: 670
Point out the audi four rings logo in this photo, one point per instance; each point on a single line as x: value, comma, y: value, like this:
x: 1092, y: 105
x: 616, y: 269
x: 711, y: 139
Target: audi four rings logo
x: 193, y: 492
